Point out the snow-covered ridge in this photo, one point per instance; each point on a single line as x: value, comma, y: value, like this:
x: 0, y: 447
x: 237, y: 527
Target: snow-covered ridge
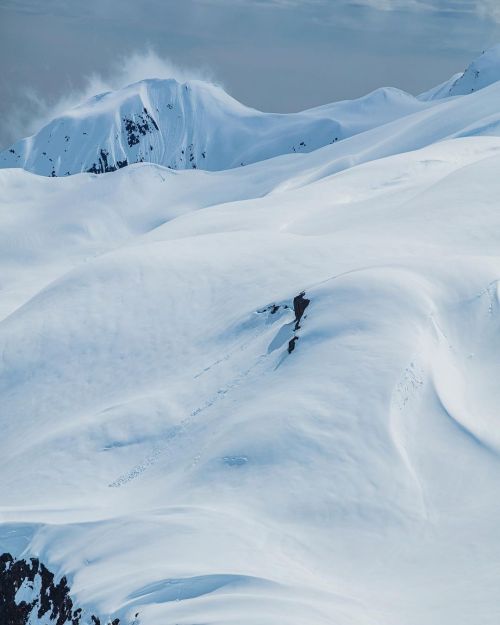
x: 197, y: 125
x: 238, y: 396
x: 482, y: 72
x: 189, y: 126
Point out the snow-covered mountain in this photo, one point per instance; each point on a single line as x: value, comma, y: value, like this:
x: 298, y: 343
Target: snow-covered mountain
x: 258, y: 395
x: 189, y: 126
x: 197, y: 125
x: 482, y: 72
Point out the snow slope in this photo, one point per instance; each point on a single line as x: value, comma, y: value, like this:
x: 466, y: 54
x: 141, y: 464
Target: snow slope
x: 182, y: 449
x: 188, y: 126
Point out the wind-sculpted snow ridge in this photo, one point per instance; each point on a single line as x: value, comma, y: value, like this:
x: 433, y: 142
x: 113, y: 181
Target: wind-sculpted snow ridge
x: 189, y: 126
x: 259, y: 395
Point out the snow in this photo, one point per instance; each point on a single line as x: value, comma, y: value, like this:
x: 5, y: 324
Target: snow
x: 482, y: 72
x: 191, y: 125
x: 440, y: 91
x: 163, y: 449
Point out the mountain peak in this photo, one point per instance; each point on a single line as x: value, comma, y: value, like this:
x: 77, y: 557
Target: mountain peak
x: 191, y: 125
x: 158, y: 88
x: 482, y: 72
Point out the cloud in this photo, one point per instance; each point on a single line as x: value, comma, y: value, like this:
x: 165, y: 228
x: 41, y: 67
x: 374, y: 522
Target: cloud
x: 488, y: 9
x: 145, y: 64
x: 441, y: 6
x: 33, y: 110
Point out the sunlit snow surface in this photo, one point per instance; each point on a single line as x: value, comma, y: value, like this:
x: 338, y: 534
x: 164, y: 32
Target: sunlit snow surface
x: 163, y: 449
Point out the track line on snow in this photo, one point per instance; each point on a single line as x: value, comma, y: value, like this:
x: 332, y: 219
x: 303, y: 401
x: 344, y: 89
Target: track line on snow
x: 181, y: 430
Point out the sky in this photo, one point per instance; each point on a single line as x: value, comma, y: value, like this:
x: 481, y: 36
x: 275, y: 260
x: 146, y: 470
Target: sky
x: 274, y: 55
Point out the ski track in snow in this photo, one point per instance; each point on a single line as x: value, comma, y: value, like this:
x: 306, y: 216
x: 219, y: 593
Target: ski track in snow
x: 404, y: 406
x: 182, y: 430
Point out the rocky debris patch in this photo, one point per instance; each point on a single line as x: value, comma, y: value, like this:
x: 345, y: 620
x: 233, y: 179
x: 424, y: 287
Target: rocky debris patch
x: 273, y: 308
x: 29, y: 593
x: 103, y: 166
x: 140, y: 124
x: 300, y: 303
x: 291, y: 344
